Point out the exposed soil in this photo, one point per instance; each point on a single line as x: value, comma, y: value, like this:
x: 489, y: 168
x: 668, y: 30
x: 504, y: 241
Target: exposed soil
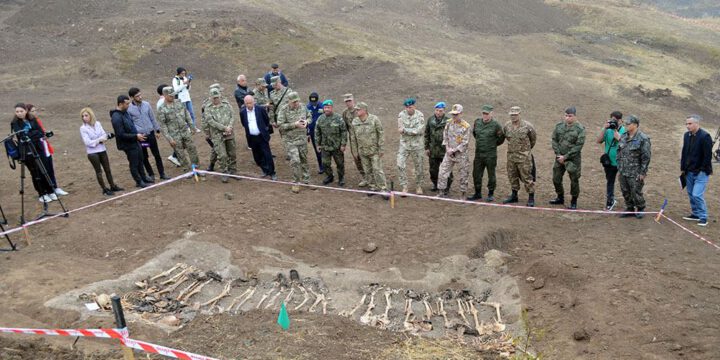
x: 601, y: 287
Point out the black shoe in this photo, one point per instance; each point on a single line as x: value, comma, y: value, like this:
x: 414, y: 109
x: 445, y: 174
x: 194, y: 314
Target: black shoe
x: 321, y: 171
x: 638, y: 213
x: 273, y: 177
x: 328, y: 180
x: 142, y: 184
x: 476, y: 196
x: 513, y: 198
x: 434, y: 188
x: 108, y: 192
x: 691, y: 217
x: 490, y: 197
x: 573, y: 206
x: 629, y: 212
x: 116, y: 188
x: 557, y: 201
x: 149, y: 179
x: 164, y: 177
x: 341, y: 182
x: 211, y: 167
x: 531, y: 200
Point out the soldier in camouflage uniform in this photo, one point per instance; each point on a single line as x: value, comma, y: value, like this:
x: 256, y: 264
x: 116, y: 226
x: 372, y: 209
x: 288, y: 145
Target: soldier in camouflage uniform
x: 331, y: 139
x: 293, y: 122
x: 520, y: 137
x: 369, y: 140
x: 455, y: 139
x: 568, y: 139
x: 411, y: 124
x: 488, y: 136
x: 633, y: 159
x: 175, y: 120
x: 434, y: 148
x: 208, y: 138
x: 261, y: 96
x: 279, y: 98
x: 348, y: 116
x: 219, y: 118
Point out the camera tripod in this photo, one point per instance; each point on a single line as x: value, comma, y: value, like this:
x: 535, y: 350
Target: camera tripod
x: 28, y: 149
x: 3, y: 222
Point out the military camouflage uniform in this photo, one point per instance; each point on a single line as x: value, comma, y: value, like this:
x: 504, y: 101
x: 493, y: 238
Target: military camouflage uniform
x: 455, y: 137
x: 275, y: 96
x: 633, y: 159
x: 369, y: 140
x: 174, y: 120
x: 295, y: 140
x: 434, y: 130
x: 568, y: 140
x: 348, y: 116
x: 488, y: 136
x: 411, y: 145
x: 206, y: 129
x: 520, y: 141
x: 262, y: 99
x: 330, y: 135
x: 217, y: 119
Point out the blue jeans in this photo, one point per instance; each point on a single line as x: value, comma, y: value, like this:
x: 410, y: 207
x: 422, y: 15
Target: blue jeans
x: 188, y: 106
x: 696, y: 184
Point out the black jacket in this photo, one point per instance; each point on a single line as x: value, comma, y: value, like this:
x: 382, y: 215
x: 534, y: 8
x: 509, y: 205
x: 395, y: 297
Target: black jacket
x: 124, y: 130
x: 240, y: 96
x: 35, y: 134
x: 697, y: 153
x: 262, y: 118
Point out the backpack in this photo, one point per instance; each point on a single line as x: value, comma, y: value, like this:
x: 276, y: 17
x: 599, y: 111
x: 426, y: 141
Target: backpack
x: 12, y: 151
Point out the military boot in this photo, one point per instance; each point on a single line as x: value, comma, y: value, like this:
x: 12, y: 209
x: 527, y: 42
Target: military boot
x: 573, y: 203
x: 513, y: 198
x: 434, y: 188
x: 211, y: 167
x: 490, y: 197
x: 560, y: 200
x: 341, y: 181
x: 476, y: 196
x: 639, y: 211
x: 629, y: 212
x: 328, y: 179
x: 531, y: 200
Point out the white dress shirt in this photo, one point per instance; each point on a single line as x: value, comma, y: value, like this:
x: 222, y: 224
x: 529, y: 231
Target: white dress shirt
x: 252, y: 122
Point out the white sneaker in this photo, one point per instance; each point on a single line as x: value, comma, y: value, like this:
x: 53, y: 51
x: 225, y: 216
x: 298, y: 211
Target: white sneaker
x: 197, y: 131
x: 52, y: 196
x: 61, y: 192
x: 174, y: 160
x: 45, y: 199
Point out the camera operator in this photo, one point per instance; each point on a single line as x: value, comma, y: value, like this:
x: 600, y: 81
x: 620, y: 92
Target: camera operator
x: 47, y: 151
x: 94, y: 137
x: 29, y: 135
x: 181, y: 86
x: 610, y: 136
x: 127, y: 140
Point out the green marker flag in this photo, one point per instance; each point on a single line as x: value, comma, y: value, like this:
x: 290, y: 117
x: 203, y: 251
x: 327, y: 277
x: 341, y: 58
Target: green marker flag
x: 283, y: 318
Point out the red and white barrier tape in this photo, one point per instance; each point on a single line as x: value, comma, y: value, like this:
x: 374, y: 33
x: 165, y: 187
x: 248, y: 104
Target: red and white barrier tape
x: 162, y: 350
x: 120, y: 334
x: 100, y: 333
x: 716, y: 246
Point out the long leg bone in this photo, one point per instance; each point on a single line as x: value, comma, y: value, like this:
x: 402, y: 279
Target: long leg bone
x: 474, y: 313
x: 306, y: 297
x: 461, y: 312
x: 225, y: 292
x: 367, y: 316
x: 196, y: 290
x: 266, y: 295
x: 235, y: 300
x: 272, y: 300
x: 289, y: 296
x: 250, y: 295
x: 324, y: 304
x: 188, y: 289
x: 174, y: 286
x: 179, y: 275
x: 351, y: 312
x: 318, y: 299
x: 498, y: 326
x: 428, y: 310
x: 169, y: 271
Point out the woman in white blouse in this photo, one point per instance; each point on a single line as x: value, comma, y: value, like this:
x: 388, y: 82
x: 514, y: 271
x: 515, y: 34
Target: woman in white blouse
x: 94, y: 137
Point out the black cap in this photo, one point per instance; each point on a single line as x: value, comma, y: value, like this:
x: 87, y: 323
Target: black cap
x: 274, y: 66
x: 632, y: 119
x: 571, y: 110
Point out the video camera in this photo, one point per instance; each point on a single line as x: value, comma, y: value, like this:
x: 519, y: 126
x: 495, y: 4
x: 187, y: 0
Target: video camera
x: 612, y: 124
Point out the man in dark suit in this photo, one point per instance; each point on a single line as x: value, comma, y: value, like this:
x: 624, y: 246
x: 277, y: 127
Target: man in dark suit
x: 256, y: 121
x: 127, y: 140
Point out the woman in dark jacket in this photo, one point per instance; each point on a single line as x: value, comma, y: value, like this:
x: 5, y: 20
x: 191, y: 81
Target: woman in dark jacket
x: 29, y: 136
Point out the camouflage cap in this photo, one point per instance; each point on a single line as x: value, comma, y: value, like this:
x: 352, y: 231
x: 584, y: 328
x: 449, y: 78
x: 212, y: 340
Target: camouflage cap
x: 259, y: 81
x: 632, y: 119
x: 293, y: 96
x: 571, y: 111
x: 361, y: 105
x: 456, y: 109
x: 348, y: 97
x: 515, y: 110
x: 215, y: 86
x: 168, y: 90
x: 274, y: 79
x: 487, y: 108
x: 215, y: 93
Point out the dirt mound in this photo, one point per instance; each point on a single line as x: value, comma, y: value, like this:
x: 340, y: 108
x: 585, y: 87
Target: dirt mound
x: 506, y: 17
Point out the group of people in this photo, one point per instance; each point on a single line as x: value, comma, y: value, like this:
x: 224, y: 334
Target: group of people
x: 443, y: 138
